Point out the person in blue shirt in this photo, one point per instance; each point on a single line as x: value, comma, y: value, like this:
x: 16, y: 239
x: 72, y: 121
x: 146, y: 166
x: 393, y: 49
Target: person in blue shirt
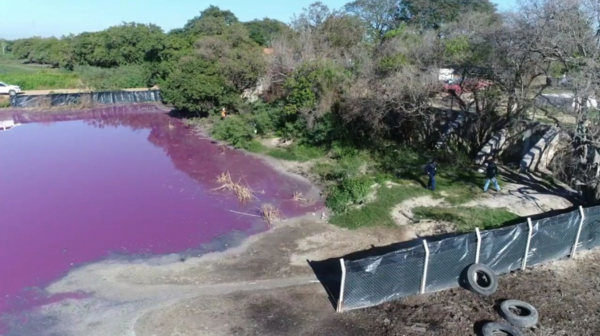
x: 431, y: 170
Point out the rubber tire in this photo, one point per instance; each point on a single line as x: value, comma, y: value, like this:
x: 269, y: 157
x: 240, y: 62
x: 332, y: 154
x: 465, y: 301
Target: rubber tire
x: 471, y: 282
x: 492, y: 327
x: 528, y: 321
x: 12, y: 93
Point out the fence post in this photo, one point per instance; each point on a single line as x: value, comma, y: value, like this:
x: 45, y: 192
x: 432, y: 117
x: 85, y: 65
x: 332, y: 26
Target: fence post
x: 425, y: 267
x: 528, y: 243
x: 581, y: 220
x: 478, y: 245
x: 340, y: 306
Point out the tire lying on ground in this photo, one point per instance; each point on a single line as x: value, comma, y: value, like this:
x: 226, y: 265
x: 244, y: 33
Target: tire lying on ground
x: 527, y: 318
x: 481, y: 279
x: 494, y: 328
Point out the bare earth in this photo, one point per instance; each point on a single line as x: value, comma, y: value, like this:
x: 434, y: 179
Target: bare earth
x: 265, y: 287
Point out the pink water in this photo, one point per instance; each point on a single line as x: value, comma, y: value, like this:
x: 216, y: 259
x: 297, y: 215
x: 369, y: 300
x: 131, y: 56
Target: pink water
x: 119, y: 180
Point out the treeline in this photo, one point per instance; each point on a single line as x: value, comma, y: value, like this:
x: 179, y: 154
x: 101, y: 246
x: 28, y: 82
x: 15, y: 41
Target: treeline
x: 143, y: 52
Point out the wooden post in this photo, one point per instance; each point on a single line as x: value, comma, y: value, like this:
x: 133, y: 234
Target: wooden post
x: 340, y: 307
x: 528, y: 243
x: 425, y: 267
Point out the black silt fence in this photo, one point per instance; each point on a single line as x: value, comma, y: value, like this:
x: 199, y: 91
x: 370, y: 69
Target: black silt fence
x: 91, y: 98
x: 439, y: 265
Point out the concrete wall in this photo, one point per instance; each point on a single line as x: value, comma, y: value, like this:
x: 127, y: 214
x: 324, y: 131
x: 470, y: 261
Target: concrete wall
x: 542, y: 153
x: 492, y: 148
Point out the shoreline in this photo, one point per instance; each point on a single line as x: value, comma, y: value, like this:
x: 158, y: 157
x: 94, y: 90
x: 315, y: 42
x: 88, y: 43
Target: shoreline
x: 281, y: 166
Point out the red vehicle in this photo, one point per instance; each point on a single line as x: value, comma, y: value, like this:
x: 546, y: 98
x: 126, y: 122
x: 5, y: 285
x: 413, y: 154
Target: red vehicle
x: 459, y: 86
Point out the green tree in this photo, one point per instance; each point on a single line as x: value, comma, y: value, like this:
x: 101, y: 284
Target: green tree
x: 263, y: 31
x: 223, y: 65
x: 379, y: 15
x: 434, y: 13
x: 197, y: 86
x: 212, y: 21
x: 129, y: 43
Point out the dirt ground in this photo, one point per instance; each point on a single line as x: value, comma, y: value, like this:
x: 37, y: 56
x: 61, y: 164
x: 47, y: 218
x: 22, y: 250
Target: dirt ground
x: 567, y: 306
x: 266, y: 287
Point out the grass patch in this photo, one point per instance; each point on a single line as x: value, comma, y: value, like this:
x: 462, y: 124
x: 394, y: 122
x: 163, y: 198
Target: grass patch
x: 467, y: 218
x: 4, y: 102
x: 378, y: 212
x: 294, y: 153
x: 32, y: 77
x: 349, y: 191
x: 42, y: 80
x: 297, y: 153
x: 459, y: 188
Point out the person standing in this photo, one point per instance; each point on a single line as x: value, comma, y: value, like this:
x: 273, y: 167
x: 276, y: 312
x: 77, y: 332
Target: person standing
x: 491, y: 175
x: 431, y: 170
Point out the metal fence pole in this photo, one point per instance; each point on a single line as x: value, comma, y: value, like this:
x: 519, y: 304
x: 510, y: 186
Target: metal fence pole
x: 581, y: 220
x: 528, y: 243
x: 340, y: 307
x: 425, y: 267
x: 478, y: 245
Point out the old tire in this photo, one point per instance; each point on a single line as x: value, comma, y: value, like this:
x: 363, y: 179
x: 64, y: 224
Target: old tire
x: 529, y: 315
x: 12, y: 93
x: 493, y: 328
x: 481, y: 279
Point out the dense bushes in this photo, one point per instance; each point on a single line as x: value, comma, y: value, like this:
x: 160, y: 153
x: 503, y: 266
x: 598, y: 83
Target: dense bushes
x: 126, y: 76
x: 236, y: 131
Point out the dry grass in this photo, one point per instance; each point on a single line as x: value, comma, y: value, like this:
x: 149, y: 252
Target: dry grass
x: 271, y: 214
x: 242, y: 192
x: 224, y: 178
x: 299, y: 197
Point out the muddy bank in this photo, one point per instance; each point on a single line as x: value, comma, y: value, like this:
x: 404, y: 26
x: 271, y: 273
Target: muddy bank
x: 265, y: 287
x: 126, y: 291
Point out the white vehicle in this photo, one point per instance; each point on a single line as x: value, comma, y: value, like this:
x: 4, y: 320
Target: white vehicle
x: 11, y: 90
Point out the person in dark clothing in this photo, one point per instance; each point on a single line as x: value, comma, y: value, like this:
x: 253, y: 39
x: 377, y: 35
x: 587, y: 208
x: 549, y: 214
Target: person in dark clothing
x: 491, y: 175
x: 431, y: 170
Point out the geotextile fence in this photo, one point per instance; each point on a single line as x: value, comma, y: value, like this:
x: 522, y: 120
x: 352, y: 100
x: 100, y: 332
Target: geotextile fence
x: 86, y: 99
x: 437, y: 266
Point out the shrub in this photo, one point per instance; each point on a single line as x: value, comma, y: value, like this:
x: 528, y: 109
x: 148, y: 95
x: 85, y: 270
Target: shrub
x: 350, y: 191
x: 266, y: 117
x: 234, y: 130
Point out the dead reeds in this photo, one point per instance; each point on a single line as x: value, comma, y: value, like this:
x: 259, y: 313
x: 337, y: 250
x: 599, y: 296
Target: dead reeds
x: 299, y: 197
x: 242, y: 192
x: 271, y: 214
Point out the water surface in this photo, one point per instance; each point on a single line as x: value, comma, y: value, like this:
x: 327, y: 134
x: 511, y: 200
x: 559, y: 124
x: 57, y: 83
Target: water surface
x: 77, y: 187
